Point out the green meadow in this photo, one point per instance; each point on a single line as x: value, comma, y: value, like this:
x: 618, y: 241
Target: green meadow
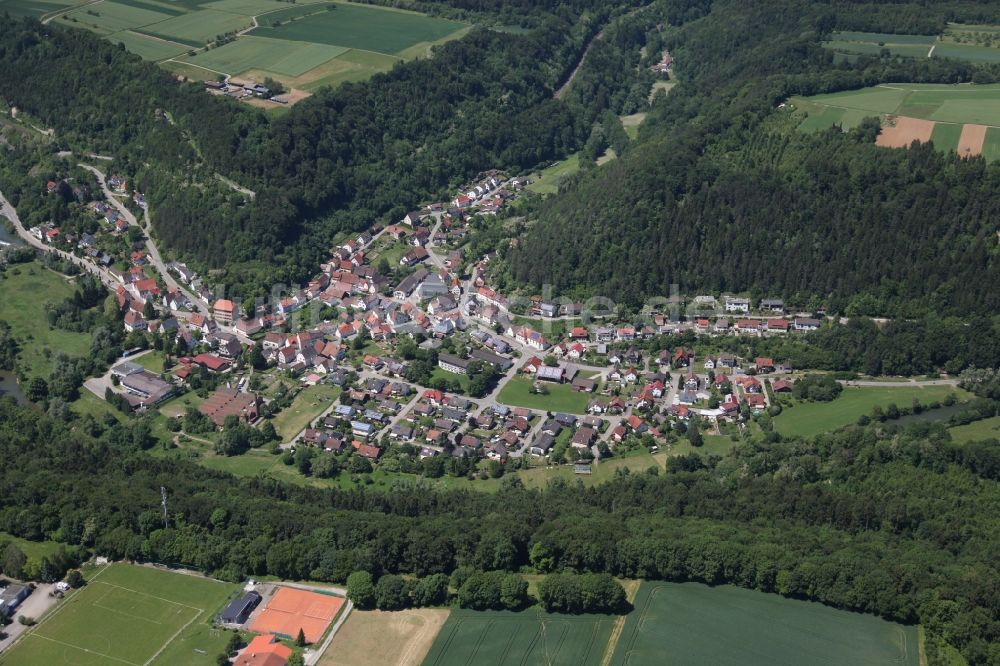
x: 25, y: 290
x: 697, y: 625
x: 806, y: 419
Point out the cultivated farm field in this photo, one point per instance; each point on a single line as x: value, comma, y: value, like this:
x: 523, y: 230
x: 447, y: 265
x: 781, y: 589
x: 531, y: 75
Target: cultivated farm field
x: 128, y: 614
x: 974, y: 43
x: 399, y: 638
x: 697, y: 625
x: 530, y: 638
x: 305, y: 45
x: 964, y: 117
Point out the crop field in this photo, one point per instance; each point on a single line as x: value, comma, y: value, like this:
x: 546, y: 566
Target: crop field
x: 399, y: 638
x: 812, y: 418
x: 973, y: 43
x: 148, y: 48
x: 697, y: 625
x: 19, y: 8
x: 305, y: 45
x: 496, y: 638
x: 110, y: 17
x: 197, y: 28
x: 132, y: 615
x: 274, y: 55
x: 952, y: 116
x: 367, y: 28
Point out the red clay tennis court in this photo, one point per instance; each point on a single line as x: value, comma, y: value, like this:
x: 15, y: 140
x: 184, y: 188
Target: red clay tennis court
x: 291, y: 609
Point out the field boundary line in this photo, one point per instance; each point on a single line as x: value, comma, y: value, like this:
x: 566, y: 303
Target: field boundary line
x: 153, y: 596
x: 56, y: 611
x: 82, y: 649
x: 172, y: 638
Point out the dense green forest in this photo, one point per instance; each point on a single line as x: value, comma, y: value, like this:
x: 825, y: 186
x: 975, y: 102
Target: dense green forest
x: 340, y: 160
x: 721, y: 194
x: 895, y: 522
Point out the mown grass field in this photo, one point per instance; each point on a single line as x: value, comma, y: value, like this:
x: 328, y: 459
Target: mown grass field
x: 976, y: 431
x: 636, y: 462
x: 307, y: 405
x: 497, y: 638
x: 697, y: 625
x: 812, y: 418
x: 560, y: 397
x: 126, y: 614
x: 25, y: 290
x: 547, y: 180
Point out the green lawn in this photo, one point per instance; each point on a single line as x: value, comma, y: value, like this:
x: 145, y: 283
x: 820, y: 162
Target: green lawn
x: 560, y: 397
x: 495, y: 638
x: 441, y: 373
x: 813, y: 418
x: 152, y: 361
x: 697, y: 625
x: 126, y: 614
x: 547, y: 180
x: 307, y: 405
x: 88, y: 403
x: 601, y: 471
x: 976, y: 431
x: 361, y: 27
x: 35, y: 550
x: 24, y: 291
x: 178, y: 406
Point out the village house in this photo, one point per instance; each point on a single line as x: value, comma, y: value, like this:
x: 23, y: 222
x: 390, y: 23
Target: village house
x: 734, y: 304
x: 222, y: 310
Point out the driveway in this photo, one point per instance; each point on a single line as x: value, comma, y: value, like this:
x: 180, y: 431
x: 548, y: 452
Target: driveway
x: 35, y: 606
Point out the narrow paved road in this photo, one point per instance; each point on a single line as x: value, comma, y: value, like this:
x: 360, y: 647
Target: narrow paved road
x: 154, y: 252
x: 8, y: 211
x: 909, y: 383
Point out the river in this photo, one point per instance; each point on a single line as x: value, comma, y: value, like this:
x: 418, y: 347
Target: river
x: 8, y: 237
x: 940, y: 414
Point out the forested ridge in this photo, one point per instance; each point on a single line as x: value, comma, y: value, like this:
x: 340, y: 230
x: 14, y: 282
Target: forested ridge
x: 340, y: 160
x: 721, y: 194
x: 899, y: 523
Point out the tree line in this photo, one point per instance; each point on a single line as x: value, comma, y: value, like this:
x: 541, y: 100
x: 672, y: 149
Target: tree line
x: 872, y: 519
x: 722, y: 194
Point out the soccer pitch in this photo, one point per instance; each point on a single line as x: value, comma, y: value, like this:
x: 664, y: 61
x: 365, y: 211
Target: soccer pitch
x: 126, y: 615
